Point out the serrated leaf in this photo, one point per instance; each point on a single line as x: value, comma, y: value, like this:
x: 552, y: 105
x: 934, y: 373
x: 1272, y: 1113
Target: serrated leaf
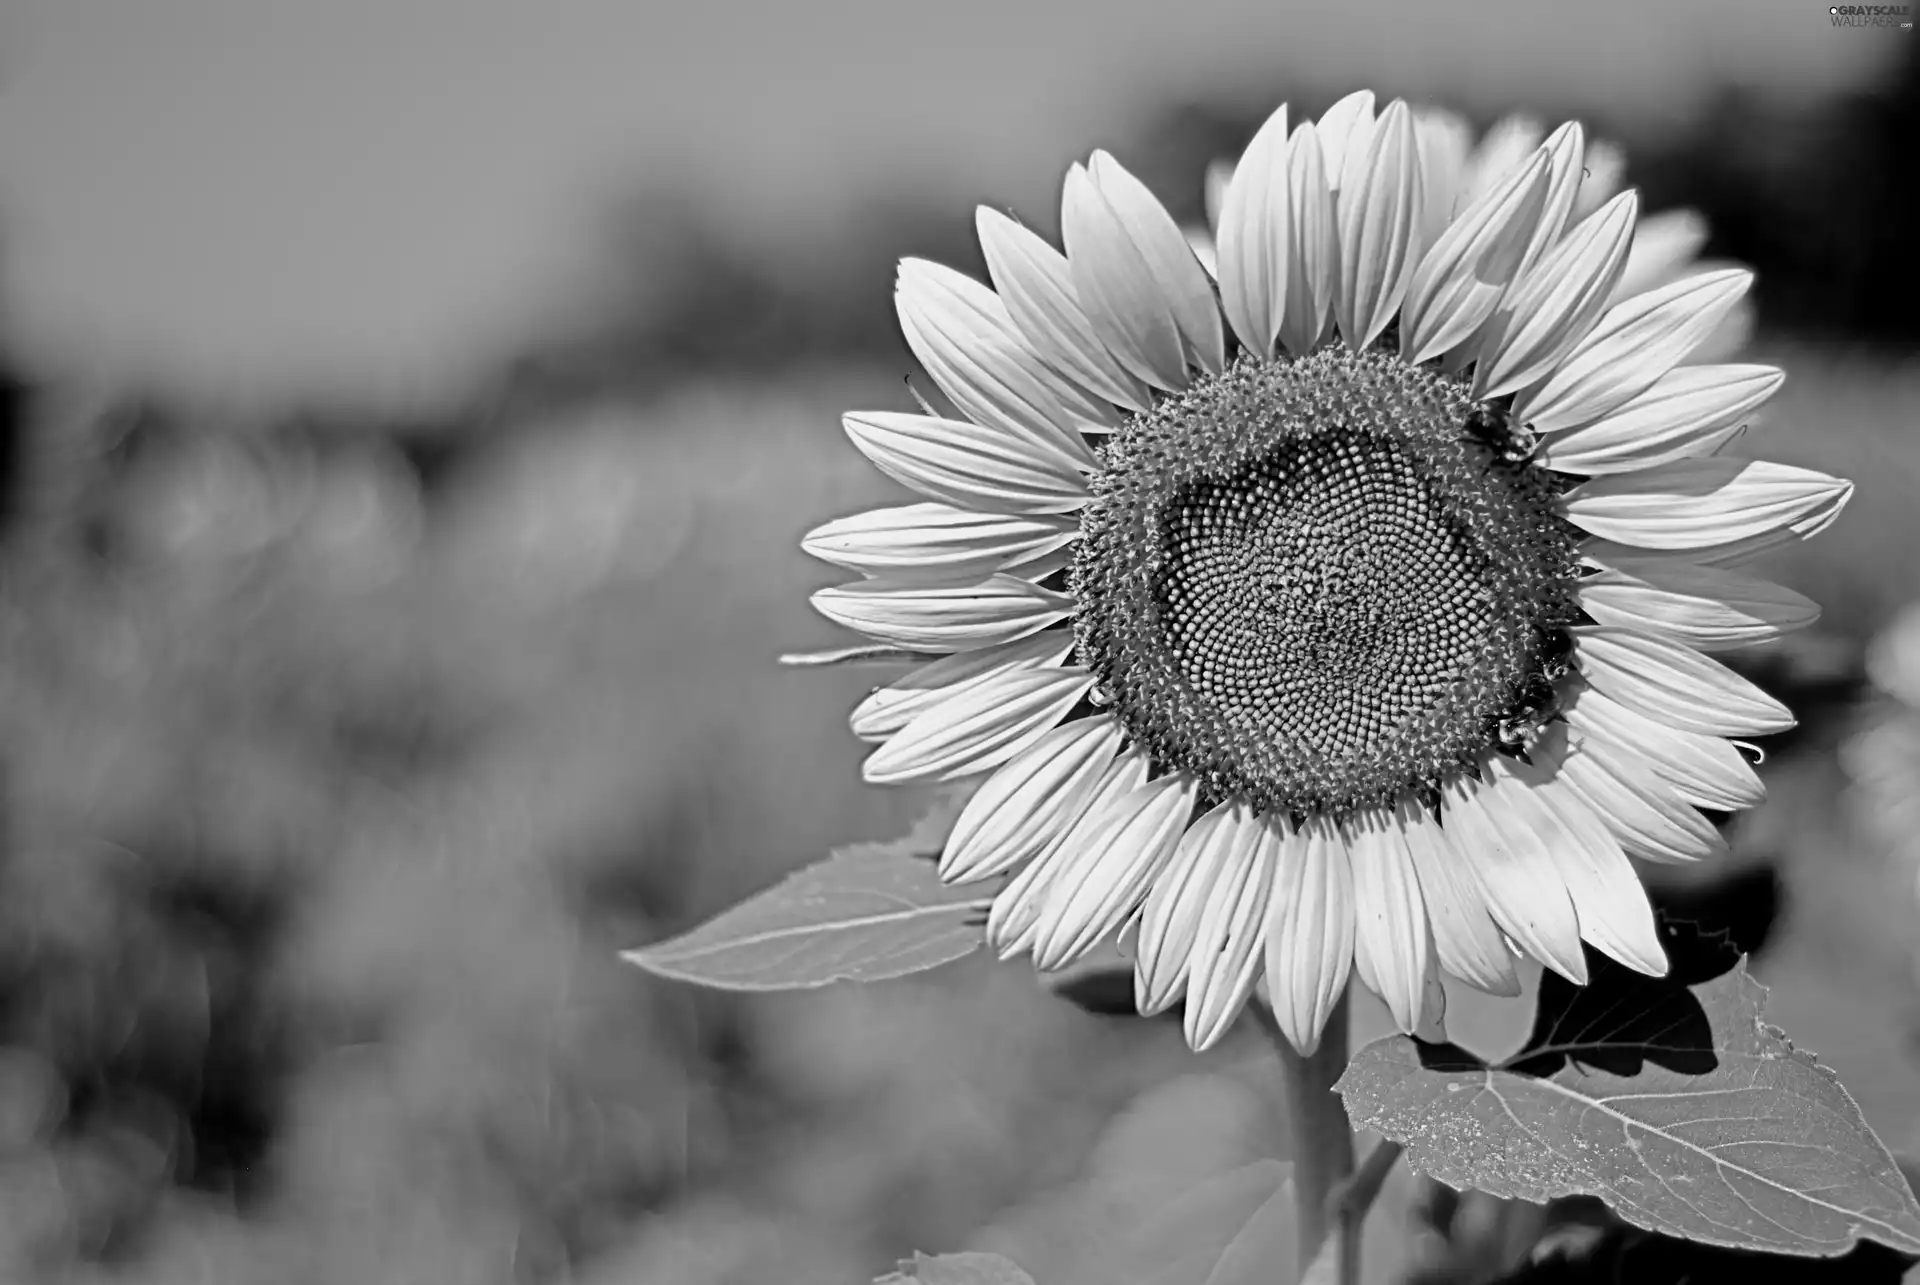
x: 869, y: 912
x: 956, y: 1269
x: 1668, y: 1098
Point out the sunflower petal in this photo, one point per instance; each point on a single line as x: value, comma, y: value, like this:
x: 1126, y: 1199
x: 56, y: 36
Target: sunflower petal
x: 1706, y: 771
x: 1566, y: 150
x: 1521, y: 885
x: 1690, y: 411
x: 1553, y: 305
x: 1462, y: 277
x: 1636, y: 342
x: 1675, y: 685
x: 1013, y: 922
x: 1464, y: 935
x: 974, y: 466
x: 892, y: 707
x: 1183, y: 284
x: 1505, y: 148
x: 1343, y: 131
x: 938, y: 543
x: 1606, y: 167
x: 1699, y: 503
x: 979, y: 730
x: 1253, y: 239
x: 1646, y: 814
x: 1607, y: 897
x: 1230, y: 949
x: 963, y: 335
x: 1113, y: 864
x: 1313, y: 244
x: 1200, y: 927
x: 1309, y: 929
x: 1391, y: 943
x: 1445, y: 140
x: 1034, y: 799
x: 1036, y: 285
x: 944, y: 617
x: 1381, y: 205
x: 1665, y: 245
x: 1117, y: 287
x: 1706, y: 608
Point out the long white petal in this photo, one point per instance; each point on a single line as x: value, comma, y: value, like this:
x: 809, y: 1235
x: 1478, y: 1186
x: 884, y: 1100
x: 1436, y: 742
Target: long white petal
x: 1122, y: 297
x: 979, y: 730
x: 1553, y: 305
x: 1522, y: 886
x: 1608, y: 899
x: 1309, y: 929
x: 1214, y: 189
x: 1113, y: 865
x: 938, y: 543
x: 1605, y: 553
x: 1706, y: 771
x: 1229, y: 950
x: 944, y: 617
x: 1462, y: 277
x: 1674, y: 684
x: 892, y: 707
x: 1504, y: 149
x: 1391, y: 946
x: 1445, y: 141
x: 1170, y: 919
x: 1699, y: 503
x: 1034, y: 281
x: 1163, y: 247
x: 1344, y: 129
x: 1253, y: 240
x: 963, y: 335
x: 1464, y: 935
x: 1013, y: 922
x: 1707, y: 608
x: 1636, y: 342
x: 1665, y: 246
x: 1688, y: 412
x: 1380, y: 208
x: 1031, y: 801
x: 1566, y: 150
x: 1313, y: 244
x: 1606, y: 168
x: 1645, y: 813
x: 974, y: 466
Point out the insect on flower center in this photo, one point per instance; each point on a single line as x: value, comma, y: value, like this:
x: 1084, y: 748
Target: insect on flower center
x: 1304, y: 582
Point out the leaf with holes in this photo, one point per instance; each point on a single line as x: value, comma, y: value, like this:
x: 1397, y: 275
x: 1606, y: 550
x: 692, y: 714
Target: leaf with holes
x: 956, y: 1269
x: 1668, y: 1098
x: 869, y: 912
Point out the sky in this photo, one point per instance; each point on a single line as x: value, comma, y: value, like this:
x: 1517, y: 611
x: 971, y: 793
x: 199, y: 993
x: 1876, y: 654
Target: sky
x: 272, y: 199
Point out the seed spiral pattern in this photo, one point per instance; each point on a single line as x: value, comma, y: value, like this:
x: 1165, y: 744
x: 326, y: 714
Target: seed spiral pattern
x: 1305, y: 584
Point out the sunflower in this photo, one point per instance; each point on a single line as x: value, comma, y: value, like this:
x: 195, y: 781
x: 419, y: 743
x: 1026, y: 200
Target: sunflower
x: 1340, y: 610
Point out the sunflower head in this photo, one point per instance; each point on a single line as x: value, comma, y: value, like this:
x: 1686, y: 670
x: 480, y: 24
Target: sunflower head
x: 1304, y: 583
x: 1331, y: 596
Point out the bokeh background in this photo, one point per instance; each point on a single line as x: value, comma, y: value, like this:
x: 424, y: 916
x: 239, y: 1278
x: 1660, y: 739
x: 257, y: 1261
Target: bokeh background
x: 409, y: 415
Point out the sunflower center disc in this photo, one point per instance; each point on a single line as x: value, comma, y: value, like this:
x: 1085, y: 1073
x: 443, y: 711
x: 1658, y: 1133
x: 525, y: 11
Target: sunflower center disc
x: 1305, y: 584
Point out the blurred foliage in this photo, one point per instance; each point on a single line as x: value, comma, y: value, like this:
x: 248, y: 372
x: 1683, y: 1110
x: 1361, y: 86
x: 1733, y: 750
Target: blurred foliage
x: 345, y: 752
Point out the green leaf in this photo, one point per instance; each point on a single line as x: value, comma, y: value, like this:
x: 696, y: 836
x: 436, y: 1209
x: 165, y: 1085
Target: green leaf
x: 956, y: 1269
x: 869, y: 912
x: 1668, y: 1098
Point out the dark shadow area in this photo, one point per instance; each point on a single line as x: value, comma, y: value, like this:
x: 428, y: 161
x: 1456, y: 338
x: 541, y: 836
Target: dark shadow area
x: 1742, y: 902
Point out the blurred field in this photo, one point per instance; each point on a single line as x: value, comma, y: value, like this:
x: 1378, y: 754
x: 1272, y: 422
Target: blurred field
x: 327, y: 838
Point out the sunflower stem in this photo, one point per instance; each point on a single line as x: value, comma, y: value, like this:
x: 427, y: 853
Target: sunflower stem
x: 1322, y: 1140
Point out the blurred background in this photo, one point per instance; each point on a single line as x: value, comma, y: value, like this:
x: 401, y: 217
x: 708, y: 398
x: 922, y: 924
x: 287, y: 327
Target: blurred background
x: 409, y: 414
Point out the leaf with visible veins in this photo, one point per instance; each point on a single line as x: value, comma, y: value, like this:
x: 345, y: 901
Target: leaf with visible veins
x: 1668, y: 1098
